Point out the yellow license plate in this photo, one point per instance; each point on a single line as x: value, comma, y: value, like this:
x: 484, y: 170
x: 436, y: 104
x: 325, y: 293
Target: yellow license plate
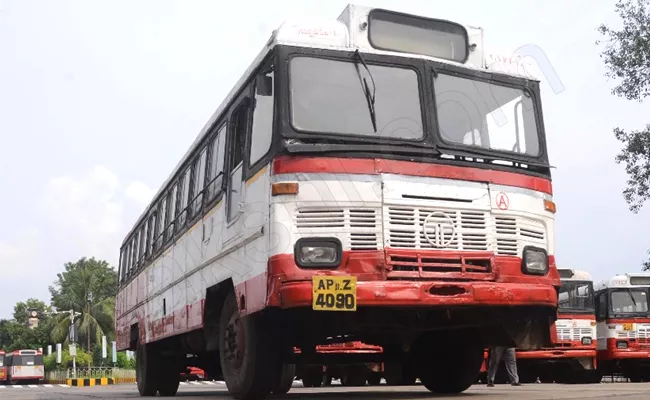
x: 628, y: 326
x: 334, y: 293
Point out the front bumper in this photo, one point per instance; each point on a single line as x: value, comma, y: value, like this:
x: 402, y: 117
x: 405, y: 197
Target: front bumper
x: 425, y: 294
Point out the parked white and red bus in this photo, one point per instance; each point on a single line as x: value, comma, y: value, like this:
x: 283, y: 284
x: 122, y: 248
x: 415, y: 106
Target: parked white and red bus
x: 24, y: 366
x: 349, y: 373
x: 369, y: 177
x: 3, y: 368
x: 572, y: 358
x: 624, y: 326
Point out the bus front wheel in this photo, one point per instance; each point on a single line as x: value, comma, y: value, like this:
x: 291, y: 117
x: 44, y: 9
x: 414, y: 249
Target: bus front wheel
x: 146, y: 370
x: 284, y: 381
x: 451, y: 369
x: 247, y: 352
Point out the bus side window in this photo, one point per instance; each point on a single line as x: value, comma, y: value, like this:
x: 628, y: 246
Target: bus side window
x: 160, y: 226
x: 261, y: 131
x: 198, y: 175
x: 216, y: 163
x: 236, y: 157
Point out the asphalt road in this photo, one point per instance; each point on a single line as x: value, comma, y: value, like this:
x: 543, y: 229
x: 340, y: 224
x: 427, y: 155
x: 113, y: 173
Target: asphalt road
x: 215, y: 390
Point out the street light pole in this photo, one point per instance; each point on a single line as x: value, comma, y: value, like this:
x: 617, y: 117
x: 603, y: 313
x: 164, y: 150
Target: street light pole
x: 71, y: 334
x: 89, y: 300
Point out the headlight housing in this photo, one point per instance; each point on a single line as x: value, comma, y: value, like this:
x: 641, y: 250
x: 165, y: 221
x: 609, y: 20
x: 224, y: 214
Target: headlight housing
x: 534, y: 261
x: 586, y: 341
x: 318, y: 252
x: 620, y: 344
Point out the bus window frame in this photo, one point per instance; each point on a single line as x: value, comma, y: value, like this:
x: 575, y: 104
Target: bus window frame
x: 536, y: 165
x: 610, y: 310
x: 248, y: 171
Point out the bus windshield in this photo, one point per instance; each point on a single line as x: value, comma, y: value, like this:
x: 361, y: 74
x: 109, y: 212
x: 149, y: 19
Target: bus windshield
x: 27, y: 360
x: 628, y: 301
x: 328, y: 96
x: 576, y: 296
x: 487, y: 115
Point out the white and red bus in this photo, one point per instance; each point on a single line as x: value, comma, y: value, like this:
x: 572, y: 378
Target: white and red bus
x: 572, y: 358
x: 368, y: 177
x: 624, y: 326
x: 349, y: 373
x: 24, y: 366
x: 3, y: 368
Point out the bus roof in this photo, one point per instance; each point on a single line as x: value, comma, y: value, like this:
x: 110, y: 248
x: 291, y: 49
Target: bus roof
x: 346, y: 33
x: 627, y: 280
x: 567, y: 274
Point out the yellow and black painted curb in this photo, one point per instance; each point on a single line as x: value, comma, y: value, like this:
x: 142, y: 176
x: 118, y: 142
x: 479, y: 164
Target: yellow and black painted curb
x: 91, y: 382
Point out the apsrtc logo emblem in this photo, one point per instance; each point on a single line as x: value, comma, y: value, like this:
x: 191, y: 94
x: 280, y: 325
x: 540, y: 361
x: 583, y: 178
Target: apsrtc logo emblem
x: 439, y: 229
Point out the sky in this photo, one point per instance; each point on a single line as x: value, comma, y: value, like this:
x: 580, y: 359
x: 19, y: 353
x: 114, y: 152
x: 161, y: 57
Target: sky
x: 99, y: 100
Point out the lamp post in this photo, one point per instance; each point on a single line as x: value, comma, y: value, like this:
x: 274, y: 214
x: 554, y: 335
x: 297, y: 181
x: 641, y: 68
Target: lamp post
x: 89, y: 300
x: 71, y: 334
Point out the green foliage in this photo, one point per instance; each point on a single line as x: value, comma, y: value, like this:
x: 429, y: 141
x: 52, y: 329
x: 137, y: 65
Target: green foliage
x: 21, y: 309
x: 84, y: 279
x: 15, y: 336
x: 122, y: 360
x: 82, y: 360
x: 627, y: 58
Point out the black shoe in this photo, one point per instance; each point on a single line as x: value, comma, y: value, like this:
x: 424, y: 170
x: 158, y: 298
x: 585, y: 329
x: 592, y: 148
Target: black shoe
x: 490, y: 384
x: 516, y: 384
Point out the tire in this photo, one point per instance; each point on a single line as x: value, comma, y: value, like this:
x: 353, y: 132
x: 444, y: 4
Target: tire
x: 452, y: 371
x: 355, y: 375
x: 311, y: 380
x: 147, y: 370
x: 285, y: 379
x: 247, y: 353
x: 374, y: 379
x: 399, y: 374
x: 170, y: 378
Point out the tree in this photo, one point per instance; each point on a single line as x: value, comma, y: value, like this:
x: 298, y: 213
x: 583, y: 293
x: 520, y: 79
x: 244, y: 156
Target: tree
x: 15, y: 336
x: 21, y: 310
x: 84, y: 280
x: 627, y: 58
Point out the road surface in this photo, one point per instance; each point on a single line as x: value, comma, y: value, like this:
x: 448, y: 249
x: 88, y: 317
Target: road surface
x: 215, y: 390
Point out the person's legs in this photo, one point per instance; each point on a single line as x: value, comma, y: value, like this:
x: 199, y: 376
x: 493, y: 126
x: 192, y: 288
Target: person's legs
x: 510, y: 359
x: 493, y: 363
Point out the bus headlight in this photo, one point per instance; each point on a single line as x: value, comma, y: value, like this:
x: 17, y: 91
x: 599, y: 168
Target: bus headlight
x: 620, y: 344
x: 318, y: 252
x: 534, y: 261
x: 586, y: 341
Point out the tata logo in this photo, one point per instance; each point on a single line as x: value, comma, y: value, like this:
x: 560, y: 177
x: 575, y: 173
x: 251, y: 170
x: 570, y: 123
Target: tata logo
x: 439, y: 229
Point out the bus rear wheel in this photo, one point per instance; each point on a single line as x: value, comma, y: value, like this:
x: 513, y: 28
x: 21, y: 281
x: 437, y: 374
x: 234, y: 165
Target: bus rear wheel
x: 247, y: 352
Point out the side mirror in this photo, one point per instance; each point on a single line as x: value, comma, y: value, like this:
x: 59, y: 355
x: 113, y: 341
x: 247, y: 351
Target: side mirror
x: 264, y: 85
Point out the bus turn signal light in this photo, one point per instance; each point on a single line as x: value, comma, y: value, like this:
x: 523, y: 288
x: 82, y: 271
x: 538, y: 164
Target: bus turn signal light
x: 549, y: 206
x: 278, y: 189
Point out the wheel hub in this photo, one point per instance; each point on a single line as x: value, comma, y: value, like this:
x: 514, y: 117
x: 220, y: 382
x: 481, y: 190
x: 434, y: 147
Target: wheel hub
x: 235, y: 343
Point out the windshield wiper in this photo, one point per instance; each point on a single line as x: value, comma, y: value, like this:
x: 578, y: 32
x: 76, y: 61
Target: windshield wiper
x: 631, y: 297
x: 370, y: 98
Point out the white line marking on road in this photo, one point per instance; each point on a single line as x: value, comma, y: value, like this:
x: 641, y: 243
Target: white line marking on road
x: 48, y: 386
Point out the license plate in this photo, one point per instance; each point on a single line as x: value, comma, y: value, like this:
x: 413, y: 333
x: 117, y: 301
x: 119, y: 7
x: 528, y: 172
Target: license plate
x: 628, y: 326
x: 334, y: 293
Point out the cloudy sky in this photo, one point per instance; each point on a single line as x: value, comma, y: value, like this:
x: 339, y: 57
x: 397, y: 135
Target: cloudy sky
x: 100, y: 99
